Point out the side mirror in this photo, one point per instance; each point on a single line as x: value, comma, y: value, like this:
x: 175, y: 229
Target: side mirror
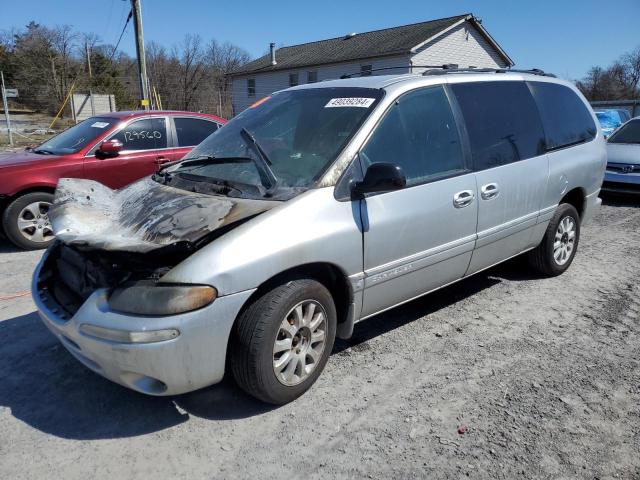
x: 111, y: 148
x: 380, y: 177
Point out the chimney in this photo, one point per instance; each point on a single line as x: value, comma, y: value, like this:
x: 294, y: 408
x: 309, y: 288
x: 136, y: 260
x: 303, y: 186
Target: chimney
x: 272, y: 49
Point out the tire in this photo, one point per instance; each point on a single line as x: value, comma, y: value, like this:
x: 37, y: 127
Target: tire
x: 544, y: 257
x: 25, y: 209
x: 253, y: 356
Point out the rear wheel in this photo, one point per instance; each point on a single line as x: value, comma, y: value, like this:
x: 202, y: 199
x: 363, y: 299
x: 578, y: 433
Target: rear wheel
x: 282, y: 341
x: 26, y: 223
x: 559, y: 244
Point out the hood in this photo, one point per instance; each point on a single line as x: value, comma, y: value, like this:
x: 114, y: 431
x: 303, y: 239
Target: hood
x: 623, y: 153
x: 141, y: 217
x: 20, y: 158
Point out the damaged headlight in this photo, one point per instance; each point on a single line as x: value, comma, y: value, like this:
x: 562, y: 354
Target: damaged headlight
x: 159, y: 299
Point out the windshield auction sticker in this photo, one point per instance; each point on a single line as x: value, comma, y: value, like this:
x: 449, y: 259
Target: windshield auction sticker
x: 100, y: 124
x: 350, y: 102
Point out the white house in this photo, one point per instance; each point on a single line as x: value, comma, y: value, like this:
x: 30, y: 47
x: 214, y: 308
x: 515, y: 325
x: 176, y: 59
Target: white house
x: 460, y: 40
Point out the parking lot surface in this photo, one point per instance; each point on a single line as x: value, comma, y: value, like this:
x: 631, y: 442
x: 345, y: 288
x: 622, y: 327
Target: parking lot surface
x: 504, y: 374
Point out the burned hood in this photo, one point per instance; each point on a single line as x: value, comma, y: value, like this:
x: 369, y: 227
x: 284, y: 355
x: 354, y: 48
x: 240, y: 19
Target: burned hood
x: 141, y: 217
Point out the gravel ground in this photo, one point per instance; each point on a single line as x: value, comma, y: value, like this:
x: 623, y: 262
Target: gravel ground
x: 543, y: 373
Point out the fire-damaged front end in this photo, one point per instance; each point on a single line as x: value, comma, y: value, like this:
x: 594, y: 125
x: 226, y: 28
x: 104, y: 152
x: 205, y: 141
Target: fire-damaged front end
x: 99, y: 288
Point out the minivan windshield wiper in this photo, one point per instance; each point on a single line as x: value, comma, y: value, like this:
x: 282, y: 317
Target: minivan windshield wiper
x: 268, y: 181
x: 264, y: 159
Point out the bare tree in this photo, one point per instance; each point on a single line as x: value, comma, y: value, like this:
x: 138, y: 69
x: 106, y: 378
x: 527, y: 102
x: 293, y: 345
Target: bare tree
x: 619, y: 81
x: 191, y: 68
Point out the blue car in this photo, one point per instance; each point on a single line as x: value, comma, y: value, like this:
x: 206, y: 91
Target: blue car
x: 609, y: 121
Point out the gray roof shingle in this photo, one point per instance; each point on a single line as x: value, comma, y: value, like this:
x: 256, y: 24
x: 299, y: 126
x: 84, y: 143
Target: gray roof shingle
x: 389, y: 41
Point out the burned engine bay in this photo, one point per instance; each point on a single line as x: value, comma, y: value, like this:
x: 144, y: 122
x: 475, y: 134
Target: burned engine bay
x: 107, y: 238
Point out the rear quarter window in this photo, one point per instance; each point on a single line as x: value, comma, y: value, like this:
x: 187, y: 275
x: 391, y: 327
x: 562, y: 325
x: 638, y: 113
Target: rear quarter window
x: 502, y: 120
x: 191, y: 131
x: 565, y: 117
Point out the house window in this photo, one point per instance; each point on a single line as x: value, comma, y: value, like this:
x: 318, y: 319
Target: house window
x: 312, y: 77
x: 251, y: 87
x: 365, y: 70
x: 293, y: 79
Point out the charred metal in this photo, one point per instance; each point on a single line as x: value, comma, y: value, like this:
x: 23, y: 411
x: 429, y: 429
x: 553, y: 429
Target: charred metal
x: 142, y: 217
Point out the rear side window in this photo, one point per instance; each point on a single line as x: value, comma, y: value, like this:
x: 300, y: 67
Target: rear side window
x: 145, y: 134
x: 566, y: 119
x: 192, y: 131
x: 420, y: 134
x: 502, y: 120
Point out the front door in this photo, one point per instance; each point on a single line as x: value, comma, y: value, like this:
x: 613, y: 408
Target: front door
x: 421, y: 237
x: 507, y: 147
x: 145, y: 149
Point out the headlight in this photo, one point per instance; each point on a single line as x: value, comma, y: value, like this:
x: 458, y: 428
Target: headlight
x: 159, y: 299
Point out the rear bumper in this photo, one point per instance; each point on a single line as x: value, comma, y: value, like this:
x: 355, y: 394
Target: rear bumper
x: 591, y: 207
x: 193, y: 360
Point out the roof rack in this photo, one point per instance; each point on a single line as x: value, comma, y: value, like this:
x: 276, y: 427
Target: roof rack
x: 368, y: 72
x: 451, y: 68
x: 444, y: 71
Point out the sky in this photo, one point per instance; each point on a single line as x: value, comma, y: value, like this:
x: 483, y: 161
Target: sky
x: 565, y: 37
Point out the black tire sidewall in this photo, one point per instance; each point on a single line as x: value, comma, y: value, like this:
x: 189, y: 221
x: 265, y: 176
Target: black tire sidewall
x: 283, y: 299
x: 563, y: 211
x: 10, y: 217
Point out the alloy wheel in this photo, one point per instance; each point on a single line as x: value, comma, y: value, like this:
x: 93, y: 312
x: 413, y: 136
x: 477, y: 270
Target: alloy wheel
x: 34, y: 223
x: 564, y: 241
x: 300, y: 342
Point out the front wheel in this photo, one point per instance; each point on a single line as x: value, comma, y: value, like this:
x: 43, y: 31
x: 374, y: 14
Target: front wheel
x: 26, y: 221
x: 559, y: 244
x: 282, y: 341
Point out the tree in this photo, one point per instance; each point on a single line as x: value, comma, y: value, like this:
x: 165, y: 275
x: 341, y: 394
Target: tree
x: 620, y: 81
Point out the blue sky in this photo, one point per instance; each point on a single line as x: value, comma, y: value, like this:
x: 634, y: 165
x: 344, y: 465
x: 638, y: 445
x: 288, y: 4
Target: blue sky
x: 566, y: 37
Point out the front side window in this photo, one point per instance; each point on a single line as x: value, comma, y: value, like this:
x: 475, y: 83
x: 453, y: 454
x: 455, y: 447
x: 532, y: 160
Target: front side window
x: 419, y: 133
x: 144, y: 134
x: 502, y: 120
x: 566, y: 119
x: 191, y: 131
x: 293, y: 79
x: 77, y: 137
x: 312, y: 77
x: 628, y: 133
x: 251, y: 87
x: 299, y: 133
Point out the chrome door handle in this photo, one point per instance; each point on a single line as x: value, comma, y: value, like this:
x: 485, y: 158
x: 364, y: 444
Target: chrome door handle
x: 463, y: 198
x: 489, y: 191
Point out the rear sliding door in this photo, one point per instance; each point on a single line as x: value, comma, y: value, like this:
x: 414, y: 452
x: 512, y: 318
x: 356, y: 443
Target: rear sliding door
x: 511, y: 168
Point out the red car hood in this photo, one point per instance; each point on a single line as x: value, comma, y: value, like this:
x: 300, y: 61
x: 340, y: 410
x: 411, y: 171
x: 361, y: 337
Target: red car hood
x: 22, y: 158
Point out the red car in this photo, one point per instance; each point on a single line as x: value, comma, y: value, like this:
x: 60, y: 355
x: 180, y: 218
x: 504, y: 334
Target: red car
x: 114, y: 149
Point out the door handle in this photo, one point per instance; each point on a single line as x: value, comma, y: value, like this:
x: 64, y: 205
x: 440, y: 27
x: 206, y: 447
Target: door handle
x: 489, y: 191
x: 463, y: 198
x: 160, y: 160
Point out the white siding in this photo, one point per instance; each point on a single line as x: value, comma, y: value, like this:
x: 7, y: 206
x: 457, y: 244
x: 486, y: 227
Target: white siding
x: 463, y: 45
x: 269, y: 82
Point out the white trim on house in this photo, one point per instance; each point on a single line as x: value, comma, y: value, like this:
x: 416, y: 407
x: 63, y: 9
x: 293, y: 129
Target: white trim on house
x: 471, y: 19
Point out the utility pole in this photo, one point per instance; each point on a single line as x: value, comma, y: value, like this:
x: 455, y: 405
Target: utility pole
x: 6, y: 110
x: 142, y: 65
x: 87, y: 49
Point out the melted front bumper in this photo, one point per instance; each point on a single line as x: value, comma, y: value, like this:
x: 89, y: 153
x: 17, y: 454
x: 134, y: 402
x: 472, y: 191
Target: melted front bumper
x: 192, y: 360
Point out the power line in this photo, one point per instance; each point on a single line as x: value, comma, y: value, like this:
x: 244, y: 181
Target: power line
x: 121, y: 34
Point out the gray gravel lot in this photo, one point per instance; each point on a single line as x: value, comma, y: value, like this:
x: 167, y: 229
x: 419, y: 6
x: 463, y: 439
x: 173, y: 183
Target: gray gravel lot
x: 544, y: 373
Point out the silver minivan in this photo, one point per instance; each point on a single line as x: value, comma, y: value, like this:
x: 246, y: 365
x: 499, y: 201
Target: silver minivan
x: 317, y: 207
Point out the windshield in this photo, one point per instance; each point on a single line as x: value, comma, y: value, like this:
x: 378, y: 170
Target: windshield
x: 291, y: 137
x: 628, y: 133
x: 77, y: 137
